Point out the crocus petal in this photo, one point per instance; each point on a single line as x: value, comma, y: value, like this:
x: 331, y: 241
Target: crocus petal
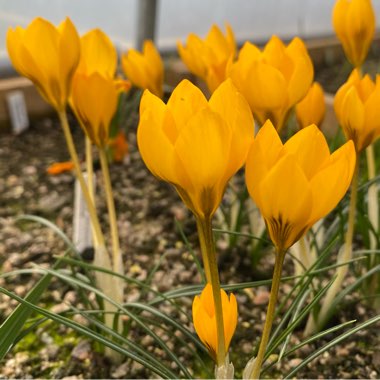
x: 372, y: 115
x: 185, y: 101
x: 155, y: 147
x: 353, y: 117
x: 365, y: 87
x: 327, y: 187
x: 69, y: 53
x: 97, y: 54
x: 235, y: 111
x: 189, y: 54
x: 303, y: 72
x: 310, y: 149
x: 145, y: 70
x: 201, y: 148
x: 266, y: 91
x: 94, y: 100
x: 264, y: 152
x: 42, y: 41
x: 14, y: 46
x: 134, y: 67
x: 155, y: 69
x: 208, y: 58
x: 285, y: 199
x: 312, y: 108
x: 216, y: 39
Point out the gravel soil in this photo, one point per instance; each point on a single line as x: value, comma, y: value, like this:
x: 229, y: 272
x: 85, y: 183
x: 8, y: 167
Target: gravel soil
x: 147, y: 210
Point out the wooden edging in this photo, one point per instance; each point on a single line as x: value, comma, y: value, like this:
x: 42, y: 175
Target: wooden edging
x: 35, y: 105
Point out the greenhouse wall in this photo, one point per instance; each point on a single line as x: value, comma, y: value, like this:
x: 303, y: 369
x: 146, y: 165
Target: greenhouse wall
x: 254, y: 20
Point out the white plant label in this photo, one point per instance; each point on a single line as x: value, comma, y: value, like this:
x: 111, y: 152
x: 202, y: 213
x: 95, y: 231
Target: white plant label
x: 17, y: 111
x: 82, y: 233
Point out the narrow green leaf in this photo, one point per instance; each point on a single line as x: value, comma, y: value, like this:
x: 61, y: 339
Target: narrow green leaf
x: 330, y: 344
x: 90, y: 334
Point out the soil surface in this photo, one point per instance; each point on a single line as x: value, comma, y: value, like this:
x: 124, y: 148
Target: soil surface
x: 147, y: 213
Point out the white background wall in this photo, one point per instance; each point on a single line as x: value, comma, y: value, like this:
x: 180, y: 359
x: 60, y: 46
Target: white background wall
x: 255, y: 20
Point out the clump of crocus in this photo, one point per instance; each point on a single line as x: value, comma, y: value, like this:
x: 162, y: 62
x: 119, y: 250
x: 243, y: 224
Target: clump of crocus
x: 48, y: 56
x: 356, y: 106
x: 354, y: 24
x: 208, y: 58
x: 312, y: 108
x: 146, y: 69
x: 273, y: 80
x: 204, y: 318
x: 312, y: 181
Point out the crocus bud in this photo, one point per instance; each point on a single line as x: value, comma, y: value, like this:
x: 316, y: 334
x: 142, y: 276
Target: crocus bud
x: 204, y: 318
x: 354, y: 24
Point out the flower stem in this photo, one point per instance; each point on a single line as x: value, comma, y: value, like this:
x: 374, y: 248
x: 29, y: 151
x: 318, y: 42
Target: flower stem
x: 117, y: 261
x: 280, y: 255
x: 212, y: 275
x: 373, y: 201
x: 204, y: 249
x: 346, y: 254
x: 74, y: 157
x: 90, y: 180
x: 373, y: 216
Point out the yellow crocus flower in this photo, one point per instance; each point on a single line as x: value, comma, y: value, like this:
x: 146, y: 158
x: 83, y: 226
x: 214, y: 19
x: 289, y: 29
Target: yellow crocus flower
x: 204, y: 318
x: 94, y: 102
x: 208, y: 58
x: 273, y: 80
x: 145, y: 70
x: 48, y: 56
x: 95, y: 91
x: 356, y: 106
x: 98, y: 54
x: 296, y: 184
x: 195, y: 144
x: 312, y: 108
x: 354, y: 24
